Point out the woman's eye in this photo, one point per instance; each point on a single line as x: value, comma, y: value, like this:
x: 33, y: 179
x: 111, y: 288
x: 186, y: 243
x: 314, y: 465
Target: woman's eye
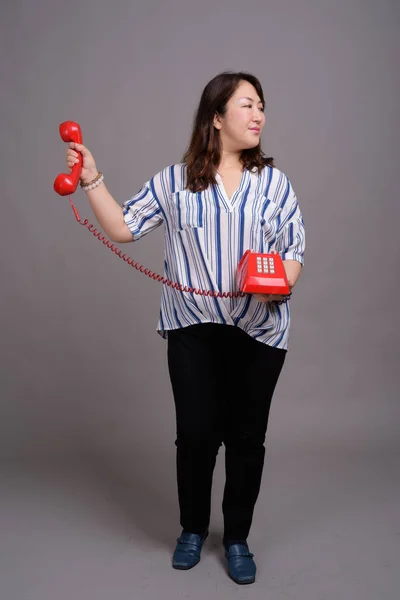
x: 262, y: 108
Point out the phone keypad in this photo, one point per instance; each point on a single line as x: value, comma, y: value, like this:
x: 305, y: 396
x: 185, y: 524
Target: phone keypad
x: 265, y: 265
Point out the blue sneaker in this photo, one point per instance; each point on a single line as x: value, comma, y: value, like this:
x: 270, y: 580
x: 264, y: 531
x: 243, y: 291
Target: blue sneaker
x: 188, y: 549
x: 241, y: 566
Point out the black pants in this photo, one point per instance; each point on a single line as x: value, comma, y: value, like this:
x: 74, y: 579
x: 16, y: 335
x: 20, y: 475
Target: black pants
x: 222, y: 381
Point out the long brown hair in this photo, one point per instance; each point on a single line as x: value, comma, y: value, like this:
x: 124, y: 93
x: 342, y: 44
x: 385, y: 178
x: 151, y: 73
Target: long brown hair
x: 204, y: 152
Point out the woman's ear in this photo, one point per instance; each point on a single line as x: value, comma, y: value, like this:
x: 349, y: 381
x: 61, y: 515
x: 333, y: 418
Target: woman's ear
x: 217, y: 121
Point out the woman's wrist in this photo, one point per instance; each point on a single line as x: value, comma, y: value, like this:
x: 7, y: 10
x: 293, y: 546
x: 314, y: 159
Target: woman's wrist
x: 94, y: 183
x: 89, y: 178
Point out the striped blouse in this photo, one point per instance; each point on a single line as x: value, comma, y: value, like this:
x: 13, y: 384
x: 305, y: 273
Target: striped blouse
x: 206, y: 234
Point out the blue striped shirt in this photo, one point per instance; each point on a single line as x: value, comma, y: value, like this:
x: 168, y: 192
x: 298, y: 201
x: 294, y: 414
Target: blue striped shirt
x: 206, y: 234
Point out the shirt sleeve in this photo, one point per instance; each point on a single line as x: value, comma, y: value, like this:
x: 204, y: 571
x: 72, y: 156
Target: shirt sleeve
x: 290, y: 240
x: 142, y: 213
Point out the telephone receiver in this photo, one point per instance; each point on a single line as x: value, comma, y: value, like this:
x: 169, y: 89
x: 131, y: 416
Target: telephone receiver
x: 256, y: 273
x: 66, y: 183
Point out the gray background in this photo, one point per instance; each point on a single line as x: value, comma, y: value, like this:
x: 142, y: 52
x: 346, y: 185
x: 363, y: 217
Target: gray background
x: 87, y: 419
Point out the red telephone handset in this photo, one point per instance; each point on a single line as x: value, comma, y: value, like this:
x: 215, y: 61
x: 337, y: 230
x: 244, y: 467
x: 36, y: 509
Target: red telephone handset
x: 256, y: 273
x: 66, y: 183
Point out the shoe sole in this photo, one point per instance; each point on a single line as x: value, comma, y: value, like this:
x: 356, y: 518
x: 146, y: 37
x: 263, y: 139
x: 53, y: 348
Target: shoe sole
x: 184, y: 568
x: 248, y: 581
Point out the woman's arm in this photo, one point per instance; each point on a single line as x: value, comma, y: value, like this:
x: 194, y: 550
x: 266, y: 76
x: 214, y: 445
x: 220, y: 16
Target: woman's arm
x: 109, y: 214
x: 293, y: 270
x: 290, y: 244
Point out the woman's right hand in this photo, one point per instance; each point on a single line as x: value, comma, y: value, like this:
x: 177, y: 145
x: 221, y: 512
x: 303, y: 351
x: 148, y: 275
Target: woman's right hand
x: 89, y: 169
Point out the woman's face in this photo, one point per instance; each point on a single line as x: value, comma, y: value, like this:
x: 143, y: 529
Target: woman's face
x: 241, y: 126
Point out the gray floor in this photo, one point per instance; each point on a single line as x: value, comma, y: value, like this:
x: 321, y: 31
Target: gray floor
x: 97, y: 529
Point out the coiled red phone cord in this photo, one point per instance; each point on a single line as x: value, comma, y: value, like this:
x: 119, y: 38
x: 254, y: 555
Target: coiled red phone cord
x: 136, y: 265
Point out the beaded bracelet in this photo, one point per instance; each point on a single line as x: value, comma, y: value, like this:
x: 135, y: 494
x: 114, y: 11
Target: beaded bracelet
x: 94, y: 183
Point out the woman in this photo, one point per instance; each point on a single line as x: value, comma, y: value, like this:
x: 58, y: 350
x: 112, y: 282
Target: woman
x: 225, y: 354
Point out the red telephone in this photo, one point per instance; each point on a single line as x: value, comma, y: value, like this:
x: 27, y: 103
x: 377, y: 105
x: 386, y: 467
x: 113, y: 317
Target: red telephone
x: 256, y: 273
x: 65, y: 183
x: 262, y: 274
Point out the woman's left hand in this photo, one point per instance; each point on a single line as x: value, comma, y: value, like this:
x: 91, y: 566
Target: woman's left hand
x: 269, y: 297
x: 273, y: 297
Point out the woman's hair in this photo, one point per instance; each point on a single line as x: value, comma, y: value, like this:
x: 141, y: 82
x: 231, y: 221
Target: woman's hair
x: 204, y: 152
